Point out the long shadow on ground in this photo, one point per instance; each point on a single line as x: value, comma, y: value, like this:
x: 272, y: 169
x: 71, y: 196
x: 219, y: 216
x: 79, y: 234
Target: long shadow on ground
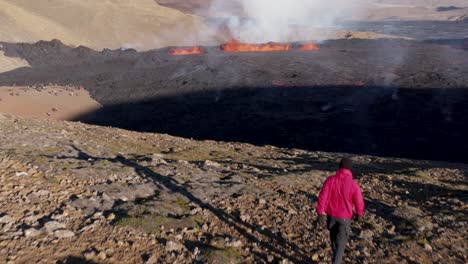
x: 399, y: 122
x: 248, y: 231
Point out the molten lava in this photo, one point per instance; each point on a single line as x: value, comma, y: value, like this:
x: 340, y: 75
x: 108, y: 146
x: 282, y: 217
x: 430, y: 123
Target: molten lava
x: 235, y: 46
x: 186, y: 51
x: 309, y: 46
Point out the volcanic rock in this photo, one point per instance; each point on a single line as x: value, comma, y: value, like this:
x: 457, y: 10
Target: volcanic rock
x: 234, y: 243
x: 367, y: 235
x: 32, y: 232
x: 208, y: 163
x: 6, y: 219
x: 53, y: 225
x: 116, y: 192
x: 408, y: 212
x: 172, y: 246
x: 92, y: 203
x: 22, y: 174
x: 64, y: 234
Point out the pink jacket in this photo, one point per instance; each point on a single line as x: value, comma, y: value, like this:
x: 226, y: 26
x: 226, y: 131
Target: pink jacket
x: 338, y: 195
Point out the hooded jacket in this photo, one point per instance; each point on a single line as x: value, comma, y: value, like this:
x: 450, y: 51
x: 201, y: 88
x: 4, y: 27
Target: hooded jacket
x: 338, y: 195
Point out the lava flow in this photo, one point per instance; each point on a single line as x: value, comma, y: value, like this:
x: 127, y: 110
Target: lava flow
x: 186, y: 51
x: 235, y: 46
x: 309, y: 46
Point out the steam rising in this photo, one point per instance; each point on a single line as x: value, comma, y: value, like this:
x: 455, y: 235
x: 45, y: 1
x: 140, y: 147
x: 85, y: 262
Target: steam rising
x: 279, y: 20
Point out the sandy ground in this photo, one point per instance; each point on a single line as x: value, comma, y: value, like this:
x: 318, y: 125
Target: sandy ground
x: 50, y: 102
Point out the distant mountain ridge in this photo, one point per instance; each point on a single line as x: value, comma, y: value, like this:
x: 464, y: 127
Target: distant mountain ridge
x: 138, y: 24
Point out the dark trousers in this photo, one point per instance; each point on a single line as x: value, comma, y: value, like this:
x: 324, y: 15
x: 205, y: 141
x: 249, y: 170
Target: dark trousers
x: 339, y: 233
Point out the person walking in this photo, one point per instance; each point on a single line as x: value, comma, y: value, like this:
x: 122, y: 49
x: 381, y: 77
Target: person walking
x: 337, y: 197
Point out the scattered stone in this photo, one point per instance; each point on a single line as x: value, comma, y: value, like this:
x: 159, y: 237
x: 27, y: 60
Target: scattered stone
x: 315, y: 257
x: 64, y: 234
x: 90, y: 255
x: 153, y: 259
x: 116, y: 192
x: 93, y: 203
x: 102, y: 255
x: 366, y: 235
x: 32, y: 232
x: 245, y: 217
x: 53, y: 225
x: 110, y: 216
x: 183, y: 162
x: 234, y: 243
x: 428, y: 247
x: 172, y: 246
x: 209, y: 163
x: 195, y: 211
x: 407, y: 212
x: 22, y: 174
x: 6, y: 219
x: 41, y: 193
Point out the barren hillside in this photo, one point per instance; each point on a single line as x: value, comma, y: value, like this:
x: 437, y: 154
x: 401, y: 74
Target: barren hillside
x: 74, y: 193
x: 141, y: 24
x: 378, y: 10
x: 367, y: 10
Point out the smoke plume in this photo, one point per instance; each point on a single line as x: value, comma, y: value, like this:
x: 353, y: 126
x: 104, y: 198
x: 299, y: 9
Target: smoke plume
x: 279, y: 20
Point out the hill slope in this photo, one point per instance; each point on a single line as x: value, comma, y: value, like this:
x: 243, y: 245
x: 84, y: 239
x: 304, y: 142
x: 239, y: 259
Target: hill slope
x: 71, y: 192
x: 141, y: 24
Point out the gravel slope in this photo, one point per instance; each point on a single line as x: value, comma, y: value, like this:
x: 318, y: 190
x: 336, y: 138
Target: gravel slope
x: 72, y: 193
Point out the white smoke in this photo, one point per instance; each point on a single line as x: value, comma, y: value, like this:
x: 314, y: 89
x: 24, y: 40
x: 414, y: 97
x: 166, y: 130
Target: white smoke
x: 280, y: 20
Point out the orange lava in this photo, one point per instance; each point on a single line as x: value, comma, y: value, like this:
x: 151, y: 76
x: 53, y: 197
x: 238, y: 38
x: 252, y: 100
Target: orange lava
x: 185, y: 51
x: 309, y: 46
x: 235, y: 46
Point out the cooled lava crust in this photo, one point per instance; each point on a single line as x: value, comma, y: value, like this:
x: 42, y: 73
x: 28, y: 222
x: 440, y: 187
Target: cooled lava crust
x: 382, y: 97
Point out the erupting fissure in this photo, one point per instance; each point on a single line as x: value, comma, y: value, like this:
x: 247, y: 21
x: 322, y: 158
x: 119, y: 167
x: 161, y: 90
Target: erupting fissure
x: 186, y: 51
x: 235, y: 46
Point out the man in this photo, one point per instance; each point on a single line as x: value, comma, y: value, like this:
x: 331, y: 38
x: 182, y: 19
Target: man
x: 335, y: 206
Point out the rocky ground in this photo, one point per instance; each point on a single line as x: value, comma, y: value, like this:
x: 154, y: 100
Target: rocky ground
x: 75, y: 193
